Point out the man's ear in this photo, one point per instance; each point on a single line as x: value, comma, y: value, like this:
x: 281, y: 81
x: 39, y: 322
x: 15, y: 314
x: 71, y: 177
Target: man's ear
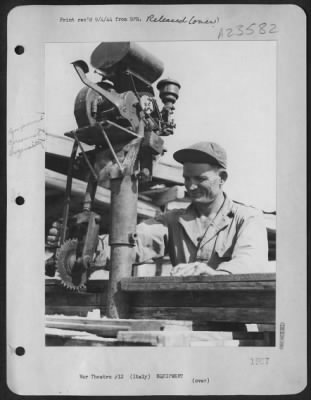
x: 223, y: 175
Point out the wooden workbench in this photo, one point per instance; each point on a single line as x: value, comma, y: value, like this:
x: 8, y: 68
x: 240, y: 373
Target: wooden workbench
x: 223, y: 303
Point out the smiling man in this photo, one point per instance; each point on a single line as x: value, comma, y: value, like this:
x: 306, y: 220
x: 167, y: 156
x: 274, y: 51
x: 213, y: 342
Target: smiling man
x: 213, y: 235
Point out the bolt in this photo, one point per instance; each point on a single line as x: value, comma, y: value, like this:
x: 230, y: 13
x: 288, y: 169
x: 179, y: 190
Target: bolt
x: 146, y: 172
x: 132, y: 237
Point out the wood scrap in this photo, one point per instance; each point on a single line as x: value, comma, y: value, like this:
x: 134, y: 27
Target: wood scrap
x: 57, y: 337
x: 110, y: 327
x: 166, y: 339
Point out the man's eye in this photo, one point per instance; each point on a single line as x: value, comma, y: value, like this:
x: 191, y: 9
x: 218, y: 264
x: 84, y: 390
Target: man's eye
x: 196, y: 179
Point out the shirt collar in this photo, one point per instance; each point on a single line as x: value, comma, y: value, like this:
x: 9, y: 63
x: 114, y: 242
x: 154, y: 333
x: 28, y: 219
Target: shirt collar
x: 191, y: 223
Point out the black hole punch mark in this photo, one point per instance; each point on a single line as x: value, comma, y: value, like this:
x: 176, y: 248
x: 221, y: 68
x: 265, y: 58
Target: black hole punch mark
x: 19, y: 50
x: 20, y: 351
x: 20, y: 200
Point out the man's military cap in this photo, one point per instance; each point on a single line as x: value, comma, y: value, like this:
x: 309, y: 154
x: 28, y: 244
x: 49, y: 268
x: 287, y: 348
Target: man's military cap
x: 203, y: 152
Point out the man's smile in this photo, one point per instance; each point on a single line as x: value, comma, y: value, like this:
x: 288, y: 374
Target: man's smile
x: 196, y: 193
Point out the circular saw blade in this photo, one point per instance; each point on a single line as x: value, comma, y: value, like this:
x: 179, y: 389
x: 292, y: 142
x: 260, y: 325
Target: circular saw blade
x: 66, y: 262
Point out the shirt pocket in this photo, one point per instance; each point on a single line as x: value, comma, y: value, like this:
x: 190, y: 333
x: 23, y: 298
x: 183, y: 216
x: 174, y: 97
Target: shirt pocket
x: 224, y: 247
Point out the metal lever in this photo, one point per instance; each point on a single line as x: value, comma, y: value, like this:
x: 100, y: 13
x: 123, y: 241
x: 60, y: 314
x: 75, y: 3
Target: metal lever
x: 82, y: 68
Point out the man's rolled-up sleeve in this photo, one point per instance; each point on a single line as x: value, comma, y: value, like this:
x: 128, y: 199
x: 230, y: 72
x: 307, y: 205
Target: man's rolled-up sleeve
x: 250, y: 253
x: 152, y: 236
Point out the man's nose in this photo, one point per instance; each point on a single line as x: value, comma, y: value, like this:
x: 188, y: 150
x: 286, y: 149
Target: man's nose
x: 192, y: 185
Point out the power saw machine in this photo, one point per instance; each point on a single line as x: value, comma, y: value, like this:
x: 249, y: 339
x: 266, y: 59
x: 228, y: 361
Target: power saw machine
x: 120, y: 118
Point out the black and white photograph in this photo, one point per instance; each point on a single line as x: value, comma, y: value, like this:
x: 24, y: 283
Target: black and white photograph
x: 154, y: 166
x: 141, y: 231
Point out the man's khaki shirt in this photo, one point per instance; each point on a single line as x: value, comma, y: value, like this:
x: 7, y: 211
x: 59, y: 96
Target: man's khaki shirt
x: 235, y: 241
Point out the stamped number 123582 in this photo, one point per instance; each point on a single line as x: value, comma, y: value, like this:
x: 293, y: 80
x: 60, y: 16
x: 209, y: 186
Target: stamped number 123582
x: 247, y: 30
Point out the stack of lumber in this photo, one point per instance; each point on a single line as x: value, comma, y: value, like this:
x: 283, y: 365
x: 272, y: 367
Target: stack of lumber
x: 74, y: 331
x: 227, y: 305
x: 66, y: 330
x: 108, y: 327
x: 194, y: 339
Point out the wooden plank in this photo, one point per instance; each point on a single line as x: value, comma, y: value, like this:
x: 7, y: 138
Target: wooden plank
x: 61, y: 337
x: 230, y: 343
x: 266, y: 327
x: 269, y: 338
x: 57, y: 181
x: 160, y: 267
x: 186, y: 339
x: 213, y: 314
x: 77, y: 310
x: 216, y: 343
x: 221, y: 335
x: 205, y: 325
x: 248, y: 335
x: 132, y: 323
x: 110, y: 327
x: 159, y: 339
x: 236, y: 298
x: 163, y: 267
x: 105, y: 330
x: 173, y: 283
x: 72, y: 299
x: 167, y: 172
x: 74, y: 342
x: 60, y: 145
x: 211, y: 336
x: 198, y: 324
x: 53, y: 285
x: 208, y: 278
x: 97, y: 285
x: 219, y: 282
x: 167, y: 195
x: 253, y: 343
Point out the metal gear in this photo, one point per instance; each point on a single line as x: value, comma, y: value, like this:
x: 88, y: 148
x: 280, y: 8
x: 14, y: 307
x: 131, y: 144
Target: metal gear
x: 72, y: 274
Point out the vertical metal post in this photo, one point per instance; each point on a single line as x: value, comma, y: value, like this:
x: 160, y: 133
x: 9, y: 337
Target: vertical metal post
x: 68, y: 193
x: 124, y: 196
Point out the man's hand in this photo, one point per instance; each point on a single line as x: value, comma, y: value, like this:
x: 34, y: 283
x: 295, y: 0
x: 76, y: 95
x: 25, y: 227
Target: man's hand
x: 194, y: 269
x: 54, y: 234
